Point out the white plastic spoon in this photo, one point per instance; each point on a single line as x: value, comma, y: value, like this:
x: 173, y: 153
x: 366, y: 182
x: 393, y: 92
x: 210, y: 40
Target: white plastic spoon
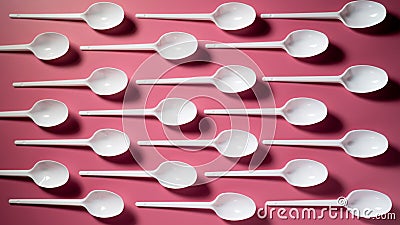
x: 356, y: 143
x: 355, y: 14
x: 363, y: 203
x: 99, y: 203
x: 172, y: 46
x: 297, y: 111
x: 45, y: 174
x: 228, y: 79
x: 105, y: 142
x: 357, y: 79
x: 228, y: 206
x: 170, y: 111
x: 230, y: 143
x: 298, y: 173
x: 45, y: 46
x: 103, y: 81
x: 99, y: 16
x: 299, y: 43
x: 227, y: 16
x: 44, y: 113
x: 170, y: 174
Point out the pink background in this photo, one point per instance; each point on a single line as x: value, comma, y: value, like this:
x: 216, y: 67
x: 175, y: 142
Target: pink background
x: 377, y: 111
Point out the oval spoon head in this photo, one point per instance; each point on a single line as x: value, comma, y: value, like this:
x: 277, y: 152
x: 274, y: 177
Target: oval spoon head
x: 103, y: 15
x: 233, y: 16
x: 234, y: 79
x: 103, y: 204
x: 305, y: 173
x: 176, y: 45
x: 236, y: 143
x: 368, y: 203
x: 49, y: 174
x: 304, y: 111
x: 50, y: 45
x: 364, y: 79
x: 107, y: 81
x: 109, y: 142
x: 233, y: 206
x: 364, y: 143
x: 48, y: 113
x: 175, y: 174
x: 305, y: 43
x: 362, y: 14
x: 175, y: 111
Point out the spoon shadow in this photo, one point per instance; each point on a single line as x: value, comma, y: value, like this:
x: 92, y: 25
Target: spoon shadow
x: 330, y: 187
x: 118, y: 97
x: 389, y: 26
x: 257, y: 93
x: 71, y: 58
x: 125, y: 158
x: 390, y: 92
x: 131, y: 93
x: 388, y: 159
x: 70, y: 126
x: 194, y: 192
x: 69, y: 190
x: 254, y: 220
x: 126, y: 217
x: 259, y: 28
x: 200, y: 57
x: 331, y: 124
x: 332, y: 55
x: 126, y: 27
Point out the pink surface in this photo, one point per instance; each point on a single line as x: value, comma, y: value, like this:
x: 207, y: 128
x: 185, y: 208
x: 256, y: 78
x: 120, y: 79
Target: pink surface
x: 378, y: 111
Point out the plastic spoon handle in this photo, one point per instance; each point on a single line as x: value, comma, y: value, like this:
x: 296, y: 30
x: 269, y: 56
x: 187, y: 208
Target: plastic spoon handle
x: 304, y: 203
x: 325, y: 143
x: 68, y: 202
x: 127, y: 47
x: 183, y: 143
x: 127, y: 112
x: 58, y: 16
x: 67, y: 142
x: 200, y: 16
x: 240, y: 111
x: 314, y: 79
x: 56, y: 83
x: 115, y: 173
x: 316, y: 15
x: 256, y: 173
x: 17, y: 48
x: 191, y: 205
x: 23, y: 113
x: 272, y: 44
x: 17, y: 173
x: 192, y: 80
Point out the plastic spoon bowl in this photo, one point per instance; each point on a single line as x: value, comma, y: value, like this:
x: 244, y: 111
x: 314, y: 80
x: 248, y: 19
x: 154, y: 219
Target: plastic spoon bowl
x: 356, y: 143
x: 99, y: 203
x: 228, y: 79
x: 297, y: 111
x: 45, y: 46
x: 170, y: 111
x: 44, y: 113
x: 298, y: 173
x: 356, y: 79
x: 170, y: 174
x: 45, y: 174
x: 105, y: 142
x: 355, y: 14
x: 99, y: 16
x: 299, y: 44
x: 363, y: 203
x: 172, y: 46
x: 227, y: 16
x: 102, y: 81
x: 230, y: 143
x: 228, y: 206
